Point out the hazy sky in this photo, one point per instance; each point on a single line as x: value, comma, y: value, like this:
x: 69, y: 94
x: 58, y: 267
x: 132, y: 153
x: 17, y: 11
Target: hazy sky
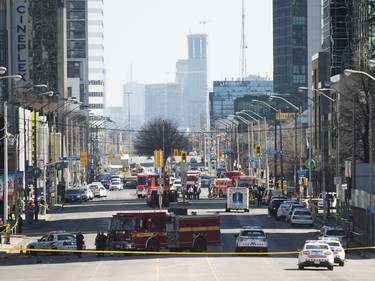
x: 150, y: 36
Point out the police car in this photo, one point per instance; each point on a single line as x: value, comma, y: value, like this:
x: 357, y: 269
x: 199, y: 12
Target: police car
x: 55, y: 240
x: 251, y: 238
x: 315, y: 253
x: 337, y: 249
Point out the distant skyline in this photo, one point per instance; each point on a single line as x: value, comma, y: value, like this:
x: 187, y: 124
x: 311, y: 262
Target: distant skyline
x: 145, y: 38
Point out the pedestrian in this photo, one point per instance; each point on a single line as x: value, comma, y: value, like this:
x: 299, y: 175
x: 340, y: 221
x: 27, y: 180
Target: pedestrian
x: 102, y: 242
x: 198, y: 191
x: 97, y: 247
x: 80, y: 242
x: 19, y: 224
x: 190, y: 192
x: 259, y: 199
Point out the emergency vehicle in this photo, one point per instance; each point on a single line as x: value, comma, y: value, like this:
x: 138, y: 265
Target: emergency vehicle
x: 193, y: 178
x: 143, y: 181
x: 246, y: 181
x: 159, y: 230
x: 233, y: 175
x: 237, y: 199
x: 220, y: 187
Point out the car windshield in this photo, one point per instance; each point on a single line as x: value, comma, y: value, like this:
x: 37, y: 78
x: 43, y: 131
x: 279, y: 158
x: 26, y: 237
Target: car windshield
x: 302, y: 213
x: 317, y: 247
x: 122, y: 224
x: 335, y: 232
x: 65, y: 237
x: 73, y: 191
x: 252, y: 233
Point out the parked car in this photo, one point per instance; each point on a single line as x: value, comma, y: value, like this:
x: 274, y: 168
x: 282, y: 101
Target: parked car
x: 282, y: 211
x: 315, y: 254
x: 131, y: 182
x: 106, y: 183
x: 88, y: 192
x: 103, y: 191
x: 291, y: 209
x: 73, y: 195
x: 116, y: 185
x: 302, y: 216
x: 337, y: 249
x: 334, y: 232
x: 178, y: 186
x: 95, y: 189
x: 274, y: 205
x: 251, y: 238
x: 55, y: 240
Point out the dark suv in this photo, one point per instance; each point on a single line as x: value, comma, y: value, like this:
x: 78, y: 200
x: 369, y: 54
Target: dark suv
x: 274, y: 205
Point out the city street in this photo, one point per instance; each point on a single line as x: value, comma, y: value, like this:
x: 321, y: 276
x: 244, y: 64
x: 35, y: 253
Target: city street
x: 220, y: 263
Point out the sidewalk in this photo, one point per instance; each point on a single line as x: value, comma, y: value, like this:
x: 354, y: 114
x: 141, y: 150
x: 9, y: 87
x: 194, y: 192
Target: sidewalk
x: 17, y: 239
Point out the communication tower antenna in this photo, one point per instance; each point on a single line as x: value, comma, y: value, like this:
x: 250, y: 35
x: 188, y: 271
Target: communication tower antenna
x: 243, y: 46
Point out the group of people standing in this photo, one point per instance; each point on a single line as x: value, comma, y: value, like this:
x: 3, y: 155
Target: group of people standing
x: 193, y: 192
x: 100, y: 243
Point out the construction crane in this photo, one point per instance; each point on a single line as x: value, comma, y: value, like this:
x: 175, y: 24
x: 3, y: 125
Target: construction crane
x: 203, y: 22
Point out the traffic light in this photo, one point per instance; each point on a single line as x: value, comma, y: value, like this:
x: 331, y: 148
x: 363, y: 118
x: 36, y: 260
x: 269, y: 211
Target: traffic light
x: 258, y: 151
x: 175, y: 152
x: 83, y: 158
x: 159, y: 158
x: 183, y: 157
x: 220, y: 153
x: 166, y: 181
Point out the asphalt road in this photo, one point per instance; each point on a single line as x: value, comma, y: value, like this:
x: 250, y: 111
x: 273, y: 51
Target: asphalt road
x: 220, y: 263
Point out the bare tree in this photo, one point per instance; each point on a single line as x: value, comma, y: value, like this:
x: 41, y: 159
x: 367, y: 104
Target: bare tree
x: 159, y: 134
x: 354, y: 130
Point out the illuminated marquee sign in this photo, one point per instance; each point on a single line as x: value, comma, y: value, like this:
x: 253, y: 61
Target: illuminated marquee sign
x: 285, y: 115
x: 20, y: 39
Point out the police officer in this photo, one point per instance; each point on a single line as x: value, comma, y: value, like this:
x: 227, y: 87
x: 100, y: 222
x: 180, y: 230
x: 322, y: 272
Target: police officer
x: 80, y: 242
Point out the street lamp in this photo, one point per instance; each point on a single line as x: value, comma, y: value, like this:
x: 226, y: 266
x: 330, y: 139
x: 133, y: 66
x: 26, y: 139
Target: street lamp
x: 276, y: 111
x: 244, y: 111
x: 236, y: 137
x: 310, y: 161
x: 247, y: 122
x: 5, y: 183
x: 349, y: 72
x: 295, y: 139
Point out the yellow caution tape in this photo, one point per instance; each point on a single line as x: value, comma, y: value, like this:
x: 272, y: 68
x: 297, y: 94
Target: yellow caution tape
x: 169, y: 253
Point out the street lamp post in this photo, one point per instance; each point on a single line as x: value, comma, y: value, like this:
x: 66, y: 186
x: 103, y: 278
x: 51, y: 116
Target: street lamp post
x: 252, y: 138
x: 295, y: 140
x: 279, y: 111
x: 236, y: 136
x: 312, y: 102
x: 248, y: 136
x: 5, y: 183
x: 265, y: 139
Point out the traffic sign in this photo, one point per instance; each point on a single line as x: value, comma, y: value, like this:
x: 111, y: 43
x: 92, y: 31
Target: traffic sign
x: 36, y: 172
x: 59, y: 166
x: 273, y: 152
x: 302, y: 173
x: 70, y: 158
x: 310, y: 162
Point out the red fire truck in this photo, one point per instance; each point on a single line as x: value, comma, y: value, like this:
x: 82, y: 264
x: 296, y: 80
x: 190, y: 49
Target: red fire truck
x: 143, y: 181
x: 160, y: 230
x: 233, y: 175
